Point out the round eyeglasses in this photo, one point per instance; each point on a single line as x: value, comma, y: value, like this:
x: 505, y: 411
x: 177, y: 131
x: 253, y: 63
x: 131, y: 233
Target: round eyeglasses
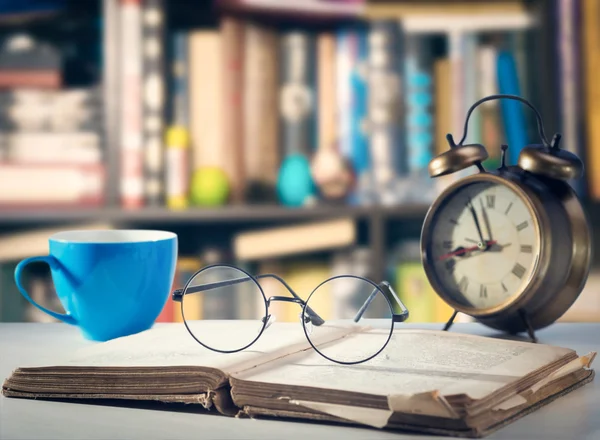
x: 344, y: 301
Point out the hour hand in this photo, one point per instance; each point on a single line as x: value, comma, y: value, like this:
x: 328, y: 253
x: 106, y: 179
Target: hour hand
x: 462, y: 251
x: 496, y: 247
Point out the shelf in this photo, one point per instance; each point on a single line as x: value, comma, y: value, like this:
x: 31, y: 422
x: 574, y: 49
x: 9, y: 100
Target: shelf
x: 228, y: 214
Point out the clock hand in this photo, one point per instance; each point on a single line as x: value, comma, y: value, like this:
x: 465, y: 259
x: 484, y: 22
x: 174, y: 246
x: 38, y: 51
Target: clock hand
x: 495, y: 247
x: 486, y: 220
x: 461, y: 250
x: 474, y: 214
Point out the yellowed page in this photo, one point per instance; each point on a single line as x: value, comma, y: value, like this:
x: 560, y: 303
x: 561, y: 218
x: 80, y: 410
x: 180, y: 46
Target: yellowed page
x: 171, y: 345
x: 414, y: 361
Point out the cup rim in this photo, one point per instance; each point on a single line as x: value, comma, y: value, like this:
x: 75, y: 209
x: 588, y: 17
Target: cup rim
x: 111, y: 236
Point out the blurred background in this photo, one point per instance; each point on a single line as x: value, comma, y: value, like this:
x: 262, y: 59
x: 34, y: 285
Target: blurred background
x: 282, y: 136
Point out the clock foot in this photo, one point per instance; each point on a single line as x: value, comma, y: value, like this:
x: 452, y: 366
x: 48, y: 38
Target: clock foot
x: 450, y: 321
x: 528, y: 326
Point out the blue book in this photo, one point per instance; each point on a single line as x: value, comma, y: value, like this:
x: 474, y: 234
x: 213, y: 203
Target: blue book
x: 512, y: 111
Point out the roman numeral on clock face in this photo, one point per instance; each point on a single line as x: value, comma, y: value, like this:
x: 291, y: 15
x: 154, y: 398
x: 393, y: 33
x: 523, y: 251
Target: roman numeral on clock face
x: 526, y: 248
x: 522, y: 226
x: 482, y: 291
x: 518, y: 270
x: 491, y: 201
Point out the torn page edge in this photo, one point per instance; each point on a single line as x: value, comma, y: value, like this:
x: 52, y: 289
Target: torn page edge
x: 571, y: 367
x: 430, y: 403
x: 574, y: 365
x: 377, y: 418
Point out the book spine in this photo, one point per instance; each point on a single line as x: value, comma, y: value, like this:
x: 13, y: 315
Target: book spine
x: 591, y: 60
x: 471, y: 84
x: 419, y: 99
x: 206, y: 92
x: 297, y: 93
x: 326, y: 92
x: 453, y: 103
x: 179, y: 87
x: 512, y: 111
x: 51, y: 185
x: 358, y: 108
x: 343, y: 67
x: 178, y: 167
x: 110, y: 94
x: 385, y: 108
x: 153, y: 100
x: 193, y: 305
x: 48, y: 147
x: 569, y: 43
x: 490, y: 119
x: 260, y: 117
x: 132, y: 158
x: 233, y: 76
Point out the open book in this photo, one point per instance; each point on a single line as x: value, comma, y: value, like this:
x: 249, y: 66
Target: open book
x: 424, y: 380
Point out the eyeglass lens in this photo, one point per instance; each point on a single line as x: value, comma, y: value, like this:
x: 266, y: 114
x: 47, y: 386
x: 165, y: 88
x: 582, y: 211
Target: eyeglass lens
x: 353, y: 302
x: 219, y: 293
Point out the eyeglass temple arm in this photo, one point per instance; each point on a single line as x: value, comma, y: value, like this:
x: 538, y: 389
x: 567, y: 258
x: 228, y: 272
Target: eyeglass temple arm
x: 177, y: 295
x: 384, y: 285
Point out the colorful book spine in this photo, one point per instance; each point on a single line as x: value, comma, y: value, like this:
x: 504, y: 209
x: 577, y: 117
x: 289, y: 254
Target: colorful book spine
x: 327, y: 96
x: 385, y: 108
x: 193, y: 305
x: 132, y: 154
x: 232, y: 30
x: 297, y: 93
x: 178, y: 165
x: 512, y: 111
x: 491, y: 132
x: 260, y: 124
x: 359, y: 141
x: 419, y: 99
x: 343, y: 68
x: 591, y: 65
x: 153, y: 100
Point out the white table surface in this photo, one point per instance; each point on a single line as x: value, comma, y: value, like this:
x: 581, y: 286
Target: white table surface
x: 575, y: 415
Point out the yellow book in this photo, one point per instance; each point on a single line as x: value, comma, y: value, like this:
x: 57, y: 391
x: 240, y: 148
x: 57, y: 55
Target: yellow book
x: 423, y: 303
x: 303, y: 277
x: 591, y: 66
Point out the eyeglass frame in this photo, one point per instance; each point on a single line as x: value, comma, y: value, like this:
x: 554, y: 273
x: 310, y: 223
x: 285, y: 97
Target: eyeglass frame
x: 178, y: 294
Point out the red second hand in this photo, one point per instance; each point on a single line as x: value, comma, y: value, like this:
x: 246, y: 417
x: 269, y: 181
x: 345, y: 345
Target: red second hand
x: 463, y: 251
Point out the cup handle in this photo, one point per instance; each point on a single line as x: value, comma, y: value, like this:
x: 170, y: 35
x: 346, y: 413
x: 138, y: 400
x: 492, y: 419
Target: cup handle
x: 52, y: 262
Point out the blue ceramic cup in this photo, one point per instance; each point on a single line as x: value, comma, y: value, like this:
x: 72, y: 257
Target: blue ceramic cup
x: 111, y: 283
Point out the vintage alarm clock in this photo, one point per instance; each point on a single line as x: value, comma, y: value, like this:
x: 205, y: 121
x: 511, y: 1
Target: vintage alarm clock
x: 509, y: 247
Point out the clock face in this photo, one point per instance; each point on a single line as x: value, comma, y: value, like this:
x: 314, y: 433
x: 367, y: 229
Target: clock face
x: 484, y: 246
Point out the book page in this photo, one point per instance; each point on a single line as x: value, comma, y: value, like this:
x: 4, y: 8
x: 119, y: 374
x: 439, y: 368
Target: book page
x: 414, y: 361
x: 171, y: 345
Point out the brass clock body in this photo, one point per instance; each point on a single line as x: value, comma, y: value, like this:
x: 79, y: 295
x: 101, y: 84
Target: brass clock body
x: 519, y: 233
x: 560, y: 262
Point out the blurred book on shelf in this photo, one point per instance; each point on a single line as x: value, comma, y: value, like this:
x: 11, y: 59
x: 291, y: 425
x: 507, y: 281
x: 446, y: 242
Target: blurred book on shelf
x: 270, y: 243
x: 15, y: 246
x: 380, y: 86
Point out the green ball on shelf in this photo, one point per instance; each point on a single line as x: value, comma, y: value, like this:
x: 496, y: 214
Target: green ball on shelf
x: 209, y: 187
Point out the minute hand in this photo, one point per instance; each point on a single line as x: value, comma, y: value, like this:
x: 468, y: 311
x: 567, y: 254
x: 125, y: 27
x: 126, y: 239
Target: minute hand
x: 486, y: 220
x: 476, y: 220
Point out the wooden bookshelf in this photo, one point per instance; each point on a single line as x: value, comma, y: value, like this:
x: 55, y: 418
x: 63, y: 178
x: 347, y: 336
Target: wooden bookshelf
x: 229, y: 214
